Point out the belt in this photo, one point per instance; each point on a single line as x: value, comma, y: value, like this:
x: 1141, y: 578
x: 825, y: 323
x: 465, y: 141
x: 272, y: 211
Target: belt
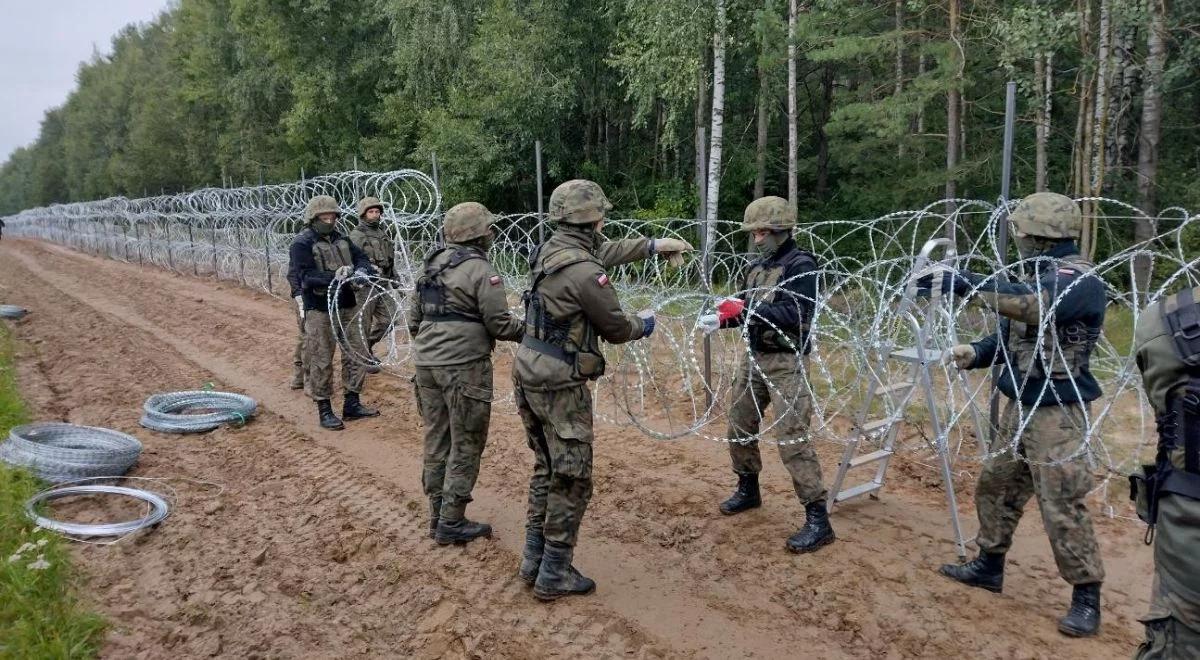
x: 546, y: 348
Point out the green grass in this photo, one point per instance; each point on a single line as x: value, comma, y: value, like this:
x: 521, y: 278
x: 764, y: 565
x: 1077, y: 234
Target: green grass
x: 40, y: 615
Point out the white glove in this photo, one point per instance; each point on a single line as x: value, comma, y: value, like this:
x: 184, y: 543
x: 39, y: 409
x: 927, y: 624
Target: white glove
x: 672, y: 249
x: 300, y: 305
x: 343, y: 272
x: 961, y: 356
x: 362, y: 274
x: 709, y: 323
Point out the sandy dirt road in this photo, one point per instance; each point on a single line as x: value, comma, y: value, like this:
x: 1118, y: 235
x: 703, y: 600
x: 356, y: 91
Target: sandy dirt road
x: 314, y: 545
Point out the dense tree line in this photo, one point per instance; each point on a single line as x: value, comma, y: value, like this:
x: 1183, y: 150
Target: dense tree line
x: 892, y: 103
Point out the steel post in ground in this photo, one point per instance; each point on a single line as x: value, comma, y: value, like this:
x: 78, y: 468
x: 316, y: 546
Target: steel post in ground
x: 192, y: 247
x: 537, y: 157
x: 705, y: 275
x: 1010, y: 120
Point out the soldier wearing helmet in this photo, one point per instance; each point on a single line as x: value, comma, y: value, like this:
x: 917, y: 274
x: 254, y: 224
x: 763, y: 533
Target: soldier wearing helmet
x: 775, y: 308
x: 322, y: 259
x: 1050, y: 322
x: 456, y: 314
x: 377, y: 310
x: 569, y: 307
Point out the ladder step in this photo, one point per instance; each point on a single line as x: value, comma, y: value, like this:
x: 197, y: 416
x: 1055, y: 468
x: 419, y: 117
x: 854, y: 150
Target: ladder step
x: 902, y: 386
x: 861, y: 489
x: 870, y: 428
x: 910, y: 355
x: 863, y: 459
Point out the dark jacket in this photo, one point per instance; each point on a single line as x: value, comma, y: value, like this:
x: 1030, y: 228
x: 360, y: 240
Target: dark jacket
x: 315, y: 274
x: 788, y: 307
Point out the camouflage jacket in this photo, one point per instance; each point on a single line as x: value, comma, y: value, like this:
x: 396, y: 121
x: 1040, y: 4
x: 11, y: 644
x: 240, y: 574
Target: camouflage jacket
x: 571, y: 305
x: 374, y: 241
x: 464, y: 309
x: 1043, y: 364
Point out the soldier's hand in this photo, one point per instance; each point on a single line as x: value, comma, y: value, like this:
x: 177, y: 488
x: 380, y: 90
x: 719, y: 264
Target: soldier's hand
x: 961, y: 356
x: 709, y: 323
x: 343, y: 272
x: 300, y: 306
x: 647, y: 316
x: 672, y: 249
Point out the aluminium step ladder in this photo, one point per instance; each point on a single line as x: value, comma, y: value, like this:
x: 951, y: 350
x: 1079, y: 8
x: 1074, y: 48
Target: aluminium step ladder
x: 880, y: 434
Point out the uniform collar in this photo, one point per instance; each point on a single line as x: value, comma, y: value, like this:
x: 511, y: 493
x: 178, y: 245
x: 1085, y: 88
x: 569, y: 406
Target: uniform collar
x: 574, y: 236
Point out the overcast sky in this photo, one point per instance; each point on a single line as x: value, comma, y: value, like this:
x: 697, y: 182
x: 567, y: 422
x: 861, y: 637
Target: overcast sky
x: 42, y: 43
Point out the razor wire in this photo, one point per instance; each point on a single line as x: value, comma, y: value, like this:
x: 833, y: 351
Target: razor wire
x: 658, y: 385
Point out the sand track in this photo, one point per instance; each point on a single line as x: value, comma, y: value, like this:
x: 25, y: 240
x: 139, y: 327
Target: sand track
x: 316, y: 546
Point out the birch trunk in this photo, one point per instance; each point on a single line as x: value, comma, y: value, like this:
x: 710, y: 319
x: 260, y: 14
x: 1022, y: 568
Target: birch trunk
x: 1148, y: 139
x: 718, y: 125
x: 792, y: 189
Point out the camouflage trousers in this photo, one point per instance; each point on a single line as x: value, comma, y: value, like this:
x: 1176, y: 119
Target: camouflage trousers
x: 777, y: 381
x: 1168, y: 637
x: 377, y: 316
x: 1054, y: 433
x: 558, y: 427
x: 319, y: 344
x: 456, y: 406
x: 298, y: 355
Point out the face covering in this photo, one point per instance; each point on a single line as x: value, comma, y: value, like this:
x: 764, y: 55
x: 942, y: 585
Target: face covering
x: 1032, y: 246
x: 771, y: 242
x: 322, y: 228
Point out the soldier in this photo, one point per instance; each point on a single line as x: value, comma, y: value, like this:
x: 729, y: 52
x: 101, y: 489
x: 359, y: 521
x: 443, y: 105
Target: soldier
x: 293, y: 278
x: 456, y: 314
x: 569, y: 307
x: 1, y: 227
x: 322, y: 257
x: 1167, y: 337
x: 781, y: 290
x: 377, y: 311
x: 1045, y: 374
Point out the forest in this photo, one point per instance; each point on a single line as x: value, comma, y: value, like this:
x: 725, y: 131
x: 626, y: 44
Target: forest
x: 851, y: 108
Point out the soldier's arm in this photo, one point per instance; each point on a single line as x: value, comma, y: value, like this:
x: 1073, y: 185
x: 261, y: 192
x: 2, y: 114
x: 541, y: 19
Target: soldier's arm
x: 415, y: 313
x: 600, y: 305
x: 624, y: 251
x: 307, y: 272
x: 293, y: 276
x: 493, y: 305
x: 794, y: 301
x: 987, y: 349
x: 1014, y: 300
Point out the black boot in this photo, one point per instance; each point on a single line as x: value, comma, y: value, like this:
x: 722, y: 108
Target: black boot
x: 557, y: 577
x: 435, y: 509
x: 328, y: 419
x: 1083, y: 619
x: 985, y: 571
x: 746, y: 496
x: 371, y: 365
x: 352, y: 408
x: 460, y: 531
x: 531, y: 557
x: 816, y: 531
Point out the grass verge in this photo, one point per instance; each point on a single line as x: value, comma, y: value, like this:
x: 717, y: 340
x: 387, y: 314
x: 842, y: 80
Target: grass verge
x: 40, y: 615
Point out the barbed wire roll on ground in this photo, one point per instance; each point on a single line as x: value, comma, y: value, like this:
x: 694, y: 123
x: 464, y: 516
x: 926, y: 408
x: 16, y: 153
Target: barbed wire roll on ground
x: 58, y: 452
x: 13, y: 312
x: 196, y: 411
x: 158, y: 511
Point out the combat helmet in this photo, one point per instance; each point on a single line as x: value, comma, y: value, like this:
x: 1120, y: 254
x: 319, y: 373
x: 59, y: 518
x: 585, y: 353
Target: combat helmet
x: 368, y: 203
x: 1047, y: 214
x: 467, y: 221
x: 770, y: 212
x: 318, y: 205
x: 578, y: 202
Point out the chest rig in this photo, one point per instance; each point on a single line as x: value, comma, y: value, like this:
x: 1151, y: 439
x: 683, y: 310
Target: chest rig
x: 1066, y: 350
x: 571, y: 340
x: 431, y: 290
x: 1178, y: 427
x: 377, y: 247
x: 331, y: 255
x: 762, y: 281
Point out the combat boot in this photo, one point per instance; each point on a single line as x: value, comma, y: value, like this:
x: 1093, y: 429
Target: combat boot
x: 435, y: 509
x: 372, y: 365
x: 328, y: 419
x: 1083, y: 619
x: 460, y: 531
x: 557, y: 577
x: 352, y: 408
x: 985, y: 571
x: 531, y: 557
x: 746, y: 496
x: 816, y: 531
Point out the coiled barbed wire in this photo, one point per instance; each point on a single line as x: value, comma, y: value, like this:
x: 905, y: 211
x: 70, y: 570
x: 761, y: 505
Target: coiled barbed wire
x: 13, y: 312
x: 57, y: 451
x: 158, y: 511
x: 658, y: 385
x: 196, y: 411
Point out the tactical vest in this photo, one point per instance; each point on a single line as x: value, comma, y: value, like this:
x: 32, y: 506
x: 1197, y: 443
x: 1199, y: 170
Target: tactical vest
x: 572, y: 340
x: 331, y: 255
x: 762, y: 281
x: 1179, y: 426
x: 378, y: 248
x: 1067, y: 349
x: 431, y: 291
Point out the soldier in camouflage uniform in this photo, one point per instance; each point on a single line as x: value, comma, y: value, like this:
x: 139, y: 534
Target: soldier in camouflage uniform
x: 456, y: 314
x: 1167, y: 337
x: 569, y: 307
x: 377, y: 311
x: 321, y: 258
x: 1046, y: 375
x: 780, y: 291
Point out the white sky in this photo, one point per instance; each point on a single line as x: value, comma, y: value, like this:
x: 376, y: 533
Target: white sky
x: 42, y: 43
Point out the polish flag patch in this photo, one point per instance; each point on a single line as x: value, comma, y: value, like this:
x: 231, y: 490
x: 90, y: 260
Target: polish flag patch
x: 1066, y: 271
x: 602, y: 280
x: 494, y: 280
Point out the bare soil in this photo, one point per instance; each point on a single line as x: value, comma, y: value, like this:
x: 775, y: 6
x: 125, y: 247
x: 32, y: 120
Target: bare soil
x: 313, y: 543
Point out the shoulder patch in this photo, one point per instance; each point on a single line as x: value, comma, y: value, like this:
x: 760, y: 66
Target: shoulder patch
x: 1069, y: 272
x: 494, y: 280
x: 602, y: 280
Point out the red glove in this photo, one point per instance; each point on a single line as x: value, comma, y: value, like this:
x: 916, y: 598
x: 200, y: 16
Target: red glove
x: 730, y: 308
